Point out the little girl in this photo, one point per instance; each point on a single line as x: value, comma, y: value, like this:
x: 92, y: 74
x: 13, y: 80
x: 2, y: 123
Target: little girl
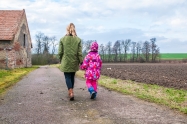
x: 92, y: 64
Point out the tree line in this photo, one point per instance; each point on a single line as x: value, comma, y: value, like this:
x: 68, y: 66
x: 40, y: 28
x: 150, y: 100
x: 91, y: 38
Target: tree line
x: 126, y: 51
x: 45, y: 50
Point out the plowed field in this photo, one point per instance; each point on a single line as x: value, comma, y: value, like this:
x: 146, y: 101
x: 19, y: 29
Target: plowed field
x: 168, y: 75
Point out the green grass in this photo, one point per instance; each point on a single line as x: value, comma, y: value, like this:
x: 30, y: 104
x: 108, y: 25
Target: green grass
x: 163, y: 56
x: 10, y: 77
x: 173, y: 98
x: 173, y: 55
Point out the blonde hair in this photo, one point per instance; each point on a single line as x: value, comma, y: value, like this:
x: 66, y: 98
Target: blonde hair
x: 71, y: 29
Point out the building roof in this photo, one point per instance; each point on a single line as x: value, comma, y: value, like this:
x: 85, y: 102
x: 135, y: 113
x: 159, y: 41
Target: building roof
x: 9, y: 22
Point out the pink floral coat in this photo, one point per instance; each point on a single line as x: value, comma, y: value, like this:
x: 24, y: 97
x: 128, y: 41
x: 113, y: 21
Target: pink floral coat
x: 92, y: 64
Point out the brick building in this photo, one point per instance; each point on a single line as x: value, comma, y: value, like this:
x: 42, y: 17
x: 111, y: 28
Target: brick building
x: 15, y: 40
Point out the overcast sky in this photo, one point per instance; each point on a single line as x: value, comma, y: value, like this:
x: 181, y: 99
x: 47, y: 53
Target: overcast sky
x: 109, y: 20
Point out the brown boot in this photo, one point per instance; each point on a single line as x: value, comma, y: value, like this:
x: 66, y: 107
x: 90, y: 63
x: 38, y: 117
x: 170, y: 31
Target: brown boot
x: 71, y: 96
x: 69, y: 93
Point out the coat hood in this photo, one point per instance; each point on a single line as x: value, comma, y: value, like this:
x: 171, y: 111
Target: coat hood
x: 94, y: 46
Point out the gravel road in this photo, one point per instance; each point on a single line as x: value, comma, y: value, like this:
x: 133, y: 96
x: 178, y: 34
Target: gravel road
x: 41, y: 98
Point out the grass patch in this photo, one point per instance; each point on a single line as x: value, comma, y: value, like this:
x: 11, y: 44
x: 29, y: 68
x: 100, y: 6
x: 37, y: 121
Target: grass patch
x: 114, y: 81
x: 173, y: 98
x: 10, y: 77
x: 173, y: 56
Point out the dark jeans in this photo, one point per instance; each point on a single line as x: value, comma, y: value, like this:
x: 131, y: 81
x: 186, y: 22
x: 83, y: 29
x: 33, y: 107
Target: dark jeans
x: 69, y: 76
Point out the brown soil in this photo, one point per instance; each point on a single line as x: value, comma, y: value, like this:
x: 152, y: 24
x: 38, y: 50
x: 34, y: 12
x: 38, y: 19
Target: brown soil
x: 168, y: 75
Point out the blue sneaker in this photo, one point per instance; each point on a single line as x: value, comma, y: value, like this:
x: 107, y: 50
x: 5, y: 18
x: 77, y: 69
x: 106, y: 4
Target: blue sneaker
x: 93, y: 95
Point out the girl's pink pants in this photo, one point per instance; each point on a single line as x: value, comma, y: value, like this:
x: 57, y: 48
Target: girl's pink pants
x: 93, y: 83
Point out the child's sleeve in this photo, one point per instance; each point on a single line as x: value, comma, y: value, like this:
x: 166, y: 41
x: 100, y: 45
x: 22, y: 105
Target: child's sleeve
x: 85, y: 62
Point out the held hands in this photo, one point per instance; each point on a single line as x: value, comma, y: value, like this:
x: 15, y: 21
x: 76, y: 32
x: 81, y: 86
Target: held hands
x: 81, y: 63
x: 81, y: 66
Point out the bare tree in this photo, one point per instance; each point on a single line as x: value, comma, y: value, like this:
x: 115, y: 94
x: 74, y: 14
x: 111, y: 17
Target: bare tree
x: 115, y: 50
x: 43, y: 45
x: 109, y: 50
x: 39, y: 40
x: 126, y: 45
x: 133, y: 51
x: 54, y: 44
x: 119, y: 50
x: 146, y: 50
x: 157, y: 53
x: 102, y: 51
x: 46, y: 44
x: 153, y: 48
x: 87, y: 45
x: 138, y: 48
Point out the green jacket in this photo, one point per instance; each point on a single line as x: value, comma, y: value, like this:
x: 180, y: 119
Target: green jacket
x: 70, y: 53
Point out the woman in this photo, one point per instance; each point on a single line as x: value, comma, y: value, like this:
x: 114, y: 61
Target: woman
x: 70, y: 55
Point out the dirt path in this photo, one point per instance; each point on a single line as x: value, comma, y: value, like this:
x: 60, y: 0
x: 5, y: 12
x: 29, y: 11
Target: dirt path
x: 41, y: 98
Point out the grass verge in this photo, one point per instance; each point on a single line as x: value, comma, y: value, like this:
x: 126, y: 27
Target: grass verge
x: 174, y: 56
x: 173, y: 98
x: 10, y: 77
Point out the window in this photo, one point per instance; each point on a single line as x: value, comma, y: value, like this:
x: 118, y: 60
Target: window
x: 24, y: 40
